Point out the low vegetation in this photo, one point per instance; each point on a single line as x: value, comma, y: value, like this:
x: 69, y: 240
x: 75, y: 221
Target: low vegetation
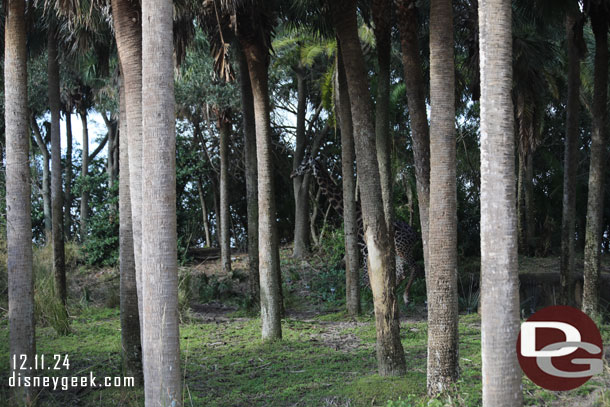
x: 325, y: 359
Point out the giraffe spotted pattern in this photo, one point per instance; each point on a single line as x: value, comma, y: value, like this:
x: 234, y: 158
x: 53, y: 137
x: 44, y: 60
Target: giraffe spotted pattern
x: 405, y: 236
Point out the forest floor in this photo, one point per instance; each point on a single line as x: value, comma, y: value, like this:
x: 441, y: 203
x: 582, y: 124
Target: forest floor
x: 325, y: 358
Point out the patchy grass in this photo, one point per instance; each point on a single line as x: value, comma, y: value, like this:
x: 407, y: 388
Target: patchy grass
x: 328, y: 361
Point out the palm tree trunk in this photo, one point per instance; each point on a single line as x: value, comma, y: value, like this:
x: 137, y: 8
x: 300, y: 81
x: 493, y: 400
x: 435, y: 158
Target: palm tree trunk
x: 46, y: 178
x: 382, y: 17
x: 257, y: 57
x: 224, y: 126
x: 390, y: 354
x: 128, y: 33
x: 595, y: 201
x: 249, y: 125
x: 84, y: 197
x: 499, y: 272
x: 130, y: 318
x: 442, y: 282
x: 416, y: 100
x: 68, y: 169
x: 161, y: 338
x: 350, y: 216
x: 59, y: 262
x: 300, y: 183
x: 521, y: 223
x: 22, y: 337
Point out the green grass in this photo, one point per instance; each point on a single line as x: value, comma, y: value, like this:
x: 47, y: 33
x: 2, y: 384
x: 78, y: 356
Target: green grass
x: 326, y: 361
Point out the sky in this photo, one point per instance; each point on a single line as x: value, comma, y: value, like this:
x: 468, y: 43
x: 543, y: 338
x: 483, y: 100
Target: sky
x: 95, y: 125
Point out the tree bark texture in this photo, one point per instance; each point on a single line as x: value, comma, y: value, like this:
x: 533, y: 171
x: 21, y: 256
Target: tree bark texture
x: 442, y: 282
x: 130, y: 317
x: 574, y: 35
x: 416, y: 102
x: 128, y: 34
x: 68, y: 180
x: 599, y: 142
x: 249, y: 125
x: 499, y: 259
x: 224, y: 126
x: 390, y: 354
x: 350, y: 213
x: 161, y: 338
x: 382, y: 17
x: 57, y: 208
x: 257, y: 57
x: 22, y: 338
x: 300, y: 183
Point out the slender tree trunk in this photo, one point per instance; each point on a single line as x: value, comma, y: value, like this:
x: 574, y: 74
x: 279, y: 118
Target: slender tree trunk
x: 521, y: 223
x: 161, y: 344
x: 300, y: 183
x: 68, y: 169
x: 390, y: 354
x: 130, y: 318
x: 528, y: 189
x: 249, y: 125
x: 350, y: 216
x: 216, y: 201
x: 382, y: 17
x: 46, y: 178
x: 257, y: 57
x: 416, y: 100
x: 442, y: 282
x: 84, y: 196
x: 111, y: 166
x: 57, y: 209
x: 224, y: 126
x: 499, y: 259
x: 204, y: 211
x: 595, y: 199
x: 22, y: 337
x: 128, y: 34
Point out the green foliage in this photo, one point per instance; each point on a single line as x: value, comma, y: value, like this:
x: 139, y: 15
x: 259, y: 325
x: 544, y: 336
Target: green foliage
x: 101, y: 246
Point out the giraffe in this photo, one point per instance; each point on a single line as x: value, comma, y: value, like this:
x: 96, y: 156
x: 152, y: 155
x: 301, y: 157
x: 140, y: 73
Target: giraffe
x: 404, y: 235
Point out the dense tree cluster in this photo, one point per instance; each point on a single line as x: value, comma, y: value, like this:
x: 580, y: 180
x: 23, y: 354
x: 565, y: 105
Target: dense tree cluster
x: 480, y: 124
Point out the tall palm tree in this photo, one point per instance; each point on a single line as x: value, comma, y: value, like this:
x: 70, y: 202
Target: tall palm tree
x: 382, y: 17
x: 252, y: 22
x: 390, y: 354
x: 599, y: 13
x: 255, y: 38
x: 128, y: 33
x: 249, y: 126
x: 442, y: 246
x: 574, y: 34
x: 416, y: 100
x: 161, y: 339
x: 224, y: 127
x: 22, y: 339
x: 59, y: 264
x: 499, y: 274
x: 350, y: 214
x: 130, y: 317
